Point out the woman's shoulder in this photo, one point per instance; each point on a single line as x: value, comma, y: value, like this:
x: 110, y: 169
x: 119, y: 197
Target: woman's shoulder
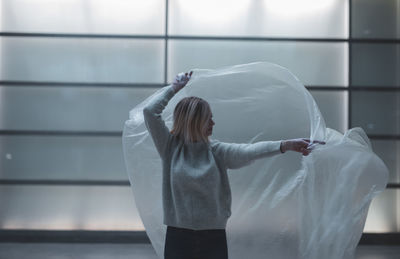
x: 218, y: 146
x: 214, y: 143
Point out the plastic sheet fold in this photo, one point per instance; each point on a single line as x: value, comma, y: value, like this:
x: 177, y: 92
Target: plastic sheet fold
x: 285, y: 206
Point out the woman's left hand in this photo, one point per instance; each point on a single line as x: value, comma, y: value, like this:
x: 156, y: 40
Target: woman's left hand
x: 181, y: 80
x: 301, y: 145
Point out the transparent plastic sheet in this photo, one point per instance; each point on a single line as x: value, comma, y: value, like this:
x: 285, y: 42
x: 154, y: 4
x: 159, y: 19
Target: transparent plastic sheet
x: 285, y: 206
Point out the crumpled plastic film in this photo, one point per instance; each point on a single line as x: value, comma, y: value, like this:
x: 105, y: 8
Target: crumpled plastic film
x: 284, y: 206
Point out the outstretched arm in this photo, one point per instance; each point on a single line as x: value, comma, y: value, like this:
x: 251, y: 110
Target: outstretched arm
x: 236, y: 156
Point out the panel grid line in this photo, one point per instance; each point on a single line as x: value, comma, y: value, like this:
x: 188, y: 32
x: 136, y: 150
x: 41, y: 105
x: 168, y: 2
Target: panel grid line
x: 52, y: 182
x: 193, y: 37
x: 6, y: 83
x: 350, y: 82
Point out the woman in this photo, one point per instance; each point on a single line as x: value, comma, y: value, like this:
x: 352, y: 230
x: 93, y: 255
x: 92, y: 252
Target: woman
x: 196, y: 191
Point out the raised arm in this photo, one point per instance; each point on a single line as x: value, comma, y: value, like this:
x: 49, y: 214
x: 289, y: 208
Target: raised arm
x: 153, y: 110
x: 153, y: 120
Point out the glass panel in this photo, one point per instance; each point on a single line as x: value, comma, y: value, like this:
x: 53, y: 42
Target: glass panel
x: 334, y: 108
x: 89, y: 16
x: 68, y: 208
x: 313, y: 63
x: 61, y: 158
x: 113, y: 208
x: 270, y: 18
x: 389, y: 152
x: 375, y: 64
x: 376, y: 19
x: 383, y: 215
x: 68, y: 108
x: 82, y: 60
x: 376, y: 112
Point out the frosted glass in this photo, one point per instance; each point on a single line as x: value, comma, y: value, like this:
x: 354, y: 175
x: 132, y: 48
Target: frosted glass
x: 89, y: 16
x: 376, y: 112
x: 313, y: 63
x: 113, y: 208
x: 270, y: 18
x: 68, y: 208
x: 389, y: 152
x: 82, y: 60
x: 383, y: 214
x: 375, y: 18
x: 334, y: 108
x: 376, y: 64
x: 61, y: 158
x: 68, y: 108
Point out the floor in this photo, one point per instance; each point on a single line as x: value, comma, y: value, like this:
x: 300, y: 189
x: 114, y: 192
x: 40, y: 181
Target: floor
x: 133, y: 251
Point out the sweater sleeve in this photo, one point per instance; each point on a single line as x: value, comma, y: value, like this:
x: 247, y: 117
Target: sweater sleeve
x: 235, y: 156
x: 154, y: 122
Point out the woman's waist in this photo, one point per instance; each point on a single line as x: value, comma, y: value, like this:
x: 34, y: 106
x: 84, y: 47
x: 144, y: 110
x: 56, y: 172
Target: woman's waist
x: 188, y: 230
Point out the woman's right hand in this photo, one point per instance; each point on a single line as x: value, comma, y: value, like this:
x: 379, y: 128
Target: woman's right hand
x: 181, y: 80
x: 302, y: 145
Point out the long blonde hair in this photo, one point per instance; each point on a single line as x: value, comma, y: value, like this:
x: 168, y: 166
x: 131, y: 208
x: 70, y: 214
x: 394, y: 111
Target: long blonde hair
x: 191, y: 116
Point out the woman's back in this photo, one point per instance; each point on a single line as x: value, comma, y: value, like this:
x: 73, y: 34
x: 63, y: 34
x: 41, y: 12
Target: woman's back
x: 196, y: 191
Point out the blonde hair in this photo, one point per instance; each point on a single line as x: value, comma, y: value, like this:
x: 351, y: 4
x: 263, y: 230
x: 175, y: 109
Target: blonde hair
x: 191, y: 116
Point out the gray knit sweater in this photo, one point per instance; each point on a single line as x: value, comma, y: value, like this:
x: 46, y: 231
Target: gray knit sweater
x: 195, y: 189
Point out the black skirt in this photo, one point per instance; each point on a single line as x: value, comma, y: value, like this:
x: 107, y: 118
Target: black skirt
x: 182, y: 243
